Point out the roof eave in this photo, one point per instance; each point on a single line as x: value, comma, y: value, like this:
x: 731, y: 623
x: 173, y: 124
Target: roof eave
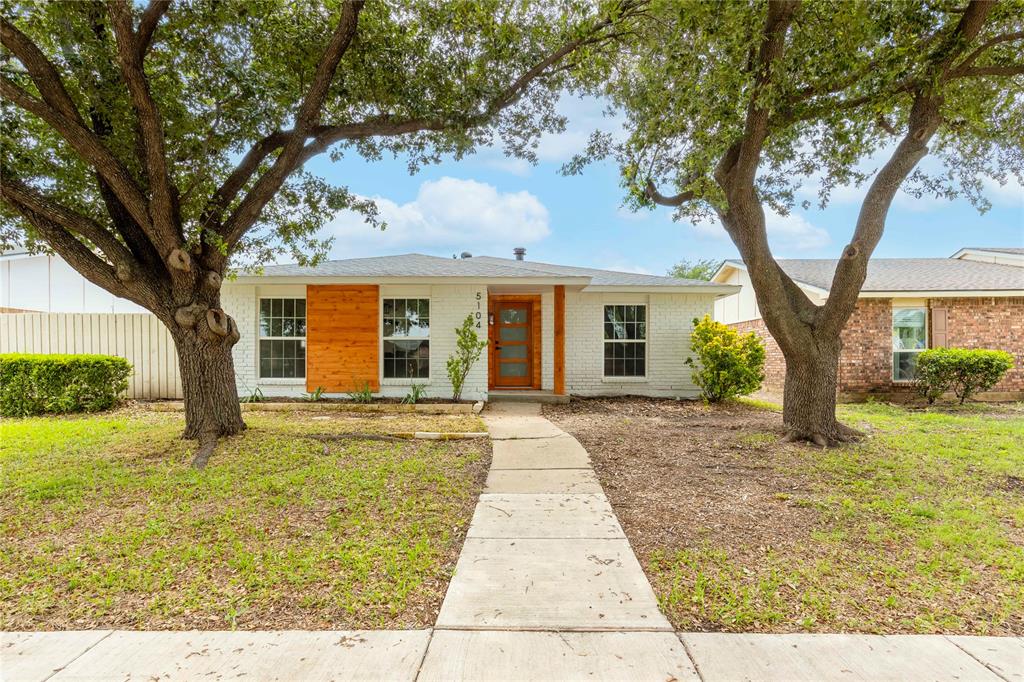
x: 944, y: 293
x: 404, y: 279
x: 717, y: 289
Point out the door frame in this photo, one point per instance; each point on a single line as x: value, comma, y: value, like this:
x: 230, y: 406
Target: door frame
x: 535, y: 338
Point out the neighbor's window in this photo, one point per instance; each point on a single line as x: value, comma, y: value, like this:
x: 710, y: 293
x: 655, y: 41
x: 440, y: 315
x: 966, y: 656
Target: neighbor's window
x: 909, y: 337
x: 625, y: 340
x: 282, y: 338
x: 406, y: 338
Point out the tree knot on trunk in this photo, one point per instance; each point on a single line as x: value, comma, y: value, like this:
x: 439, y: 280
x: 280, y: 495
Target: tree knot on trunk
x: 852, y: 250
x: 220, y: 322
x: 189, y: 315
x: 179, y: 259
x: 212, y: 280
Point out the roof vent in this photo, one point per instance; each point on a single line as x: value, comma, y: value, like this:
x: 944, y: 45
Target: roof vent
x: 465, y: 254
x: 520, y: 253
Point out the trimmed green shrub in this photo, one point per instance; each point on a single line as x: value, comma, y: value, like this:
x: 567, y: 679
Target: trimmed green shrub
x: 40, y: 384
x: 730, y: 364
x: 961, y: 370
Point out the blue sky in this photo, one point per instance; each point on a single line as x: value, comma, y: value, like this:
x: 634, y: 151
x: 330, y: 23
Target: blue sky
x: 487, y: 204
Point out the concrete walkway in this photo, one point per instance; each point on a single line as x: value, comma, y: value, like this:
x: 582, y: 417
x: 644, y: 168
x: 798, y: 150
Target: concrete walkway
x: 546, y: 588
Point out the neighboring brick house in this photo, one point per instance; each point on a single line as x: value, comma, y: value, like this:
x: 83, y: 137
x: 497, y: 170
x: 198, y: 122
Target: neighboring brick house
x: 974, y: 299
x: 389, y: 322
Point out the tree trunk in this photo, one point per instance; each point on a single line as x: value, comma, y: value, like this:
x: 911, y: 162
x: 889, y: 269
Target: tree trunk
x: 809, y: 396
x: 208, y: 381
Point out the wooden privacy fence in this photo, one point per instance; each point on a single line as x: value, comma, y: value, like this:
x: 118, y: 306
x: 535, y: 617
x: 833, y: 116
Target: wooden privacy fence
x: 140, y: 338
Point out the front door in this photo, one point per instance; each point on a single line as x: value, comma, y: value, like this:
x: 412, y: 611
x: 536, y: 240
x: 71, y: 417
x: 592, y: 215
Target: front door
x: 513, y: 344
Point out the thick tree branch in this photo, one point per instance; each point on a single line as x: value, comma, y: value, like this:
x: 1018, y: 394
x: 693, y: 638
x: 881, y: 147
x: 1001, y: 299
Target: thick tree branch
x: 306, y: 120
x: 652, y: 193
x: 324, y: 136
x: 167, y: 235
x: 925, y: 117
x: 773, y: 45
x: 89, y: 147
x: 72, y: 250
x: 18, y: 193
x: 993, y: 70
x: 44, y: 75
x: 969, y: 60
x: 151, y: 16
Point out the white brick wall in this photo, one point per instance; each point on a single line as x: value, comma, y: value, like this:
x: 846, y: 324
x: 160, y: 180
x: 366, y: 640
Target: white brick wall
x: 669, y: 324
x: 449, y: 305
x: 239, y: 301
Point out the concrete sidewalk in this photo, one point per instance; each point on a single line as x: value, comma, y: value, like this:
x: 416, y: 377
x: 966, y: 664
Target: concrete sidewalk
x: 504, y: 655
x: 546, y: 588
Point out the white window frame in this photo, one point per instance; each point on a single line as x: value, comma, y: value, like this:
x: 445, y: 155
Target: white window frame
x: 893, y: 350
x: 604, y: 342
x: 305, y: 362
x: 406, y: 381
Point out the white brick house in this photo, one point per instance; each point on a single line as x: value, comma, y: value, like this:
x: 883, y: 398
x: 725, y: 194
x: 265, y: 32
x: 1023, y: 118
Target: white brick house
x: 387, y: 323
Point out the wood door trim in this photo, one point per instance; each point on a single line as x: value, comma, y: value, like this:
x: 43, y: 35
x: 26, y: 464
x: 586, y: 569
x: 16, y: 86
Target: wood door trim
x: 535, y: 327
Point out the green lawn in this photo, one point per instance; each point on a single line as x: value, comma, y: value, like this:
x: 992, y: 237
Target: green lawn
x: 918, y: 529
x: 105, y: 525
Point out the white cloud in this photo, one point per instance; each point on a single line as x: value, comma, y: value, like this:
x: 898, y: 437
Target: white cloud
x: 447, y: 215
x: 790, y: 232
x: 1011, y: 193
x: 583, y: 116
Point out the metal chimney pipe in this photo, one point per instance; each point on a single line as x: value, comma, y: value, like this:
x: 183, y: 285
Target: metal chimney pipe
x: 519, y: 252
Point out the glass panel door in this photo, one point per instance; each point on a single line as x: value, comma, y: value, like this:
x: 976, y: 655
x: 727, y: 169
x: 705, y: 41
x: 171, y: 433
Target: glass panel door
x: 512, y: 344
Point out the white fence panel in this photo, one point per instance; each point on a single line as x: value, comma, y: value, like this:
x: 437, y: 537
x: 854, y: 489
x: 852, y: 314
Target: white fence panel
x: 137, y: 337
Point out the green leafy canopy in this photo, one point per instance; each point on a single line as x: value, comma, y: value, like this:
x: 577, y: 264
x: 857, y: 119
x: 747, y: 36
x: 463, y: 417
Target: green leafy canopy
x: 840, y: 94
x: 419, y: 79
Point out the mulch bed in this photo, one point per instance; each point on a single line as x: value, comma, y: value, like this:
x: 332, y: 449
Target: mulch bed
x: 686, y: 479
x: 677, y: 473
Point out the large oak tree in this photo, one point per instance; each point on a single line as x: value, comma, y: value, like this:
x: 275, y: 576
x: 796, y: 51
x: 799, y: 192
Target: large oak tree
x: 154, y: 146
x: 729, y: 107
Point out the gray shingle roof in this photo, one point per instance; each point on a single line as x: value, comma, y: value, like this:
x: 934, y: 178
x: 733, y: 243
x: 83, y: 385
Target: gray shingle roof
x: 416, y: 265
x: 911, y: 274
x: 992, y: 249
x: 598, y: 277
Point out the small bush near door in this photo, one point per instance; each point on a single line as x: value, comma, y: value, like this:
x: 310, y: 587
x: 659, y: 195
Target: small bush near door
x: 961, y: 370
x: 468, y: 349
x: 40, y: 384
x: 728, y: 364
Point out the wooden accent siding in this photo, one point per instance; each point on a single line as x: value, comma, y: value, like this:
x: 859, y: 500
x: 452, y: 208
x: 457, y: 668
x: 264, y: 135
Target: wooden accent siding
x: 342, y: 337
x: 559, y: 355
x: 535, y: 322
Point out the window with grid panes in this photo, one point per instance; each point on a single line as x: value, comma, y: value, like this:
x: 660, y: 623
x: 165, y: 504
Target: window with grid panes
x: 625, y: 340
x: 406, y: 335
x: 282, y: 342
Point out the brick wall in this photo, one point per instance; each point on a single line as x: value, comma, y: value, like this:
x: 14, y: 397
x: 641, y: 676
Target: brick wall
x: 774, y: 363
x: 865, y: 364
x: 996, y: 323
x: 669, y: 325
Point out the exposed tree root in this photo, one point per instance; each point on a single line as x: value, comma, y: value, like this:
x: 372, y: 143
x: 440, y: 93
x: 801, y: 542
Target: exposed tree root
x: 207, y: 443
x: 838, y: 434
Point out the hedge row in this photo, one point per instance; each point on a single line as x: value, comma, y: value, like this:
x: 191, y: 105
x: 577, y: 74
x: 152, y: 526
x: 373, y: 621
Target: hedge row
x: 961, y: 370
x: 40, y: 384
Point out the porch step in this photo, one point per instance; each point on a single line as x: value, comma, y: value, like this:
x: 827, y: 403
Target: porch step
x: 526, y: 397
